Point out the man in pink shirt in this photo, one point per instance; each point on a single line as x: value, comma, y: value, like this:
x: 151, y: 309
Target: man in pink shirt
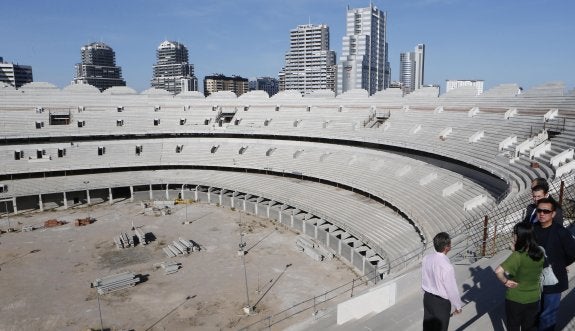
x: 439, y: 286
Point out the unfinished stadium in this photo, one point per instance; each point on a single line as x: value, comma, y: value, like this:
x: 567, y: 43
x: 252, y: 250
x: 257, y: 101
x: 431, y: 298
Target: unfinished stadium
x: 423, y: 162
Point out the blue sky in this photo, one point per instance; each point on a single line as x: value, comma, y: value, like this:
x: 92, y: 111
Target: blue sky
x: 528, y: 42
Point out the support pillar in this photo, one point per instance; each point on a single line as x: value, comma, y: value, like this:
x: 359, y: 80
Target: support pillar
x: 196, y: 193
x: 65, y: 201
x: 167, y: 192
x: 233, y: 203
x: 182, y: 192
x: 151, y: 193
x: 131, y: 193
x: 270, y: 203
x: 14, y: 205
x: 111, y: 198
x: 40, y: 202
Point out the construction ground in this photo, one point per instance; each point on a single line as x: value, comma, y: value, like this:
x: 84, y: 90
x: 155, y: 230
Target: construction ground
x: 45, y: 273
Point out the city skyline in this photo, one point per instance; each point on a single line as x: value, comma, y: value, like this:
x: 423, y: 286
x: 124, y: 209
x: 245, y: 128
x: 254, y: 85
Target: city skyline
x: 527, y: 43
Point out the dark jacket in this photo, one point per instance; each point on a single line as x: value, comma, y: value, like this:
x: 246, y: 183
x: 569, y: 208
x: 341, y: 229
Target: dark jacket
x: 559, y: 246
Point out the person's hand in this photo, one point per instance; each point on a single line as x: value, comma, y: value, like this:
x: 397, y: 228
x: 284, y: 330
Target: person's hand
x: 457, y: 311
x: 511, y: 283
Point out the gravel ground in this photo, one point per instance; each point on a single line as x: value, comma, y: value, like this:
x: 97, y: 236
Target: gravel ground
x: 45, y: 274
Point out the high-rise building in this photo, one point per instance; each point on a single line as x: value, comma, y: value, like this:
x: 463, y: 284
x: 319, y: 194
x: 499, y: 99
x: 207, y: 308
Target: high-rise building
x: 98, y: 67
x: 219, y: 82
x: 406, y: 71
x: 15, y: 74
x: 419, y: 65
x: 451, y: 84
x: 268, y: 84
x: 411, y: 69
x: 309, y: 63
x: 172, y: 72
x: 364, y: 60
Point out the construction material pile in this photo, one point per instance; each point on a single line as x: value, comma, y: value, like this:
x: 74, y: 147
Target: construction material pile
x: 124, y: 241
x: 115, y: 282
x: 169, y: 267
x: 181, y: 247
x: 84, y: 221
x: 52, y: 223
x: 141, y: 236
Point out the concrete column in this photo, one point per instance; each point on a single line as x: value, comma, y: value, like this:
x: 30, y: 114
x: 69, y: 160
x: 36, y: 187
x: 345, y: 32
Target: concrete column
x: 221, y: 197
x: 151, y: 195
x: 244, y: 202
x: 209, y: 195
x: 196, y: 193
x: 292, y: 217
x: 327, y: 238
x: 131, y: 193
x: 110, y: 195
x: 88, y: 196
x: 258, y: 201
x: 14, y: 206
x: 65, y: 201
x: 167, y: 193
x: 40, y: 202
x: 269, y: 207
x: 182, y: 192
x: 352, y: 250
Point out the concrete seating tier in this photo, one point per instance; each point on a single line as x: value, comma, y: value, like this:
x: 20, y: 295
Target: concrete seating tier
x: 363, y: 169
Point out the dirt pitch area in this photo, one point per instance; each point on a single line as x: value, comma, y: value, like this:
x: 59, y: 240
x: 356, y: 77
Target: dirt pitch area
x: 45, y: 274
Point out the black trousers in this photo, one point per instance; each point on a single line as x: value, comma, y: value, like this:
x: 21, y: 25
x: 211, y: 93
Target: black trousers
x: 436, y: 311
x: 521, y: 316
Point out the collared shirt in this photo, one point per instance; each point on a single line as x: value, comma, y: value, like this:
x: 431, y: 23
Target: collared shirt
x: 438, y: 277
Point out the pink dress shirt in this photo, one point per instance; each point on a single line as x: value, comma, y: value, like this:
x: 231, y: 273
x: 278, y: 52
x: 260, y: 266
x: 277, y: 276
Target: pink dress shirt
x: 438, y: 277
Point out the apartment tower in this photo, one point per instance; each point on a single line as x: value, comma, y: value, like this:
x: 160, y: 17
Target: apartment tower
x: 172, y: 72
x: 268, y: 84
x: 219, y: 82
x: 98, y: 67
x: 364, y: 60
x: 15, y: 74
x: 411, y: 69
x: 309, y: 63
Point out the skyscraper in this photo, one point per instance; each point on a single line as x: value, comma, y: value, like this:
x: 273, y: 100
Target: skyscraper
x: 98, y: 67
x: 411, y: 69
x: 309, y: 63
x: 419, y: 65
x: 172, y: 72
x: 364, y: 60
x: 15, y: 74
x: 406, y: 71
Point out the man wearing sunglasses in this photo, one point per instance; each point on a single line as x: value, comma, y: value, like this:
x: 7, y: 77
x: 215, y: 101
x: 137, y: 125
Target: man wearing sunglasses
x: 540, y: 191
x: 559, y: 246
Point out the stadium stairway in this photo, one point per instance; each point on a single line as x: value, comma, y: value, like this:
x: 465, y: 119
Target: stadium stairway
x: 483, y: 296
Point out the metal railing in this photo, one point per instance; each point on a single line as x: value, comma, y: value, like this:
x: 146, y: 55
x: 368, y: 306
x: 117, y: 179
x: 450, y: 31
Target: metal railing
x: 314, y: 304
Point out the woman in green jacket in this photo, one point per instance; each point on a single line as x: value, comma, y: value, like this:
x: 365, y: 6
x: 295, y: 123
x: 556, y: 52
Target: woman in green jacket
x: 521, y: 273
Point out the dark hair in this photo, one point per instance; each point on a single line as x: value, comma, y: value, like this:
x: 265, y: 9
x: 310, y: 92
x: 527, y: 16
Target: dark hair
x: 539, y: 181
x: 440, y: 241
x: 525, y: 241
x: 541, y: 187
x: 550, y: 201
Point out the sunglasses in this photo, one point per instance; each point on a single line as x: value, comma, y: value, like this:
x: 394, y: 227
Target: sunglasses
x: 544, y: 211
